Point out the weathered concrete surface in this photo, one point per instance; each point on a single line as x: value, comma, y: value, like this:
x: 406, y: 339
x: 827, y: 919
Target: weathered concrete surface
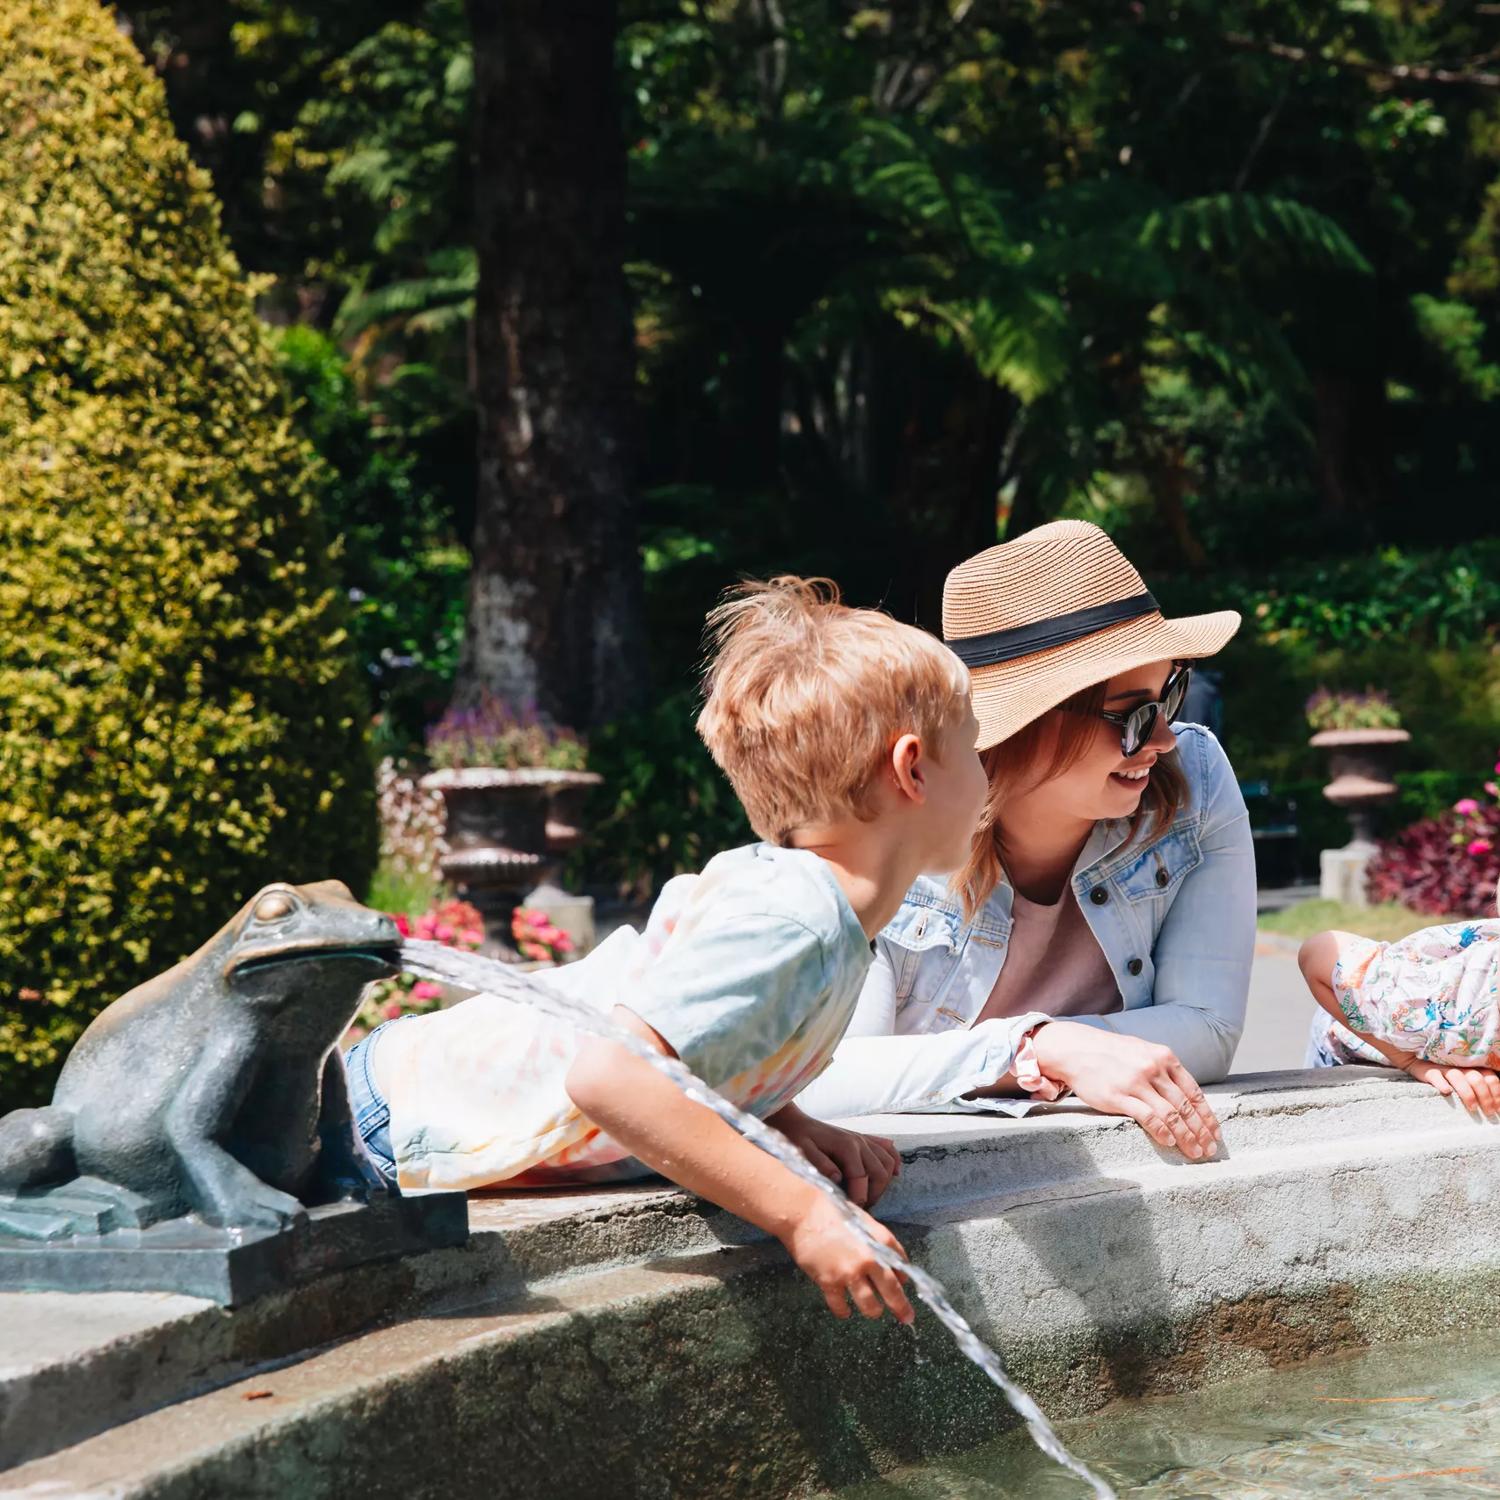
x: 648, y: 1359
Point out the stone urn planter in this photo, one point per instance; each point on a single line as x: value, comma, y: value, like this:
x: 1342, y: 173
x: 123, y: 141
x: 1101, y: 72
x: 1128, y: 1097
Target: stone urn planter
x: 1361, y: 765
x: 500, y: 846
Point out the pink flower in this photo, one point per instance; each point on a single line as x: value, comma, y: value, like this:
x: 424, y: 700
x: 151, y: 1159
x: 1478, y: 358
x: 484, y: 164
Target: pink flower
x: 472, y: 936
x: 392, y: 1010
x: 1493, y: 788
x: 1480, y: 846
x: 425, y: 989
x: 402, y: 921
x: 1466, y: 807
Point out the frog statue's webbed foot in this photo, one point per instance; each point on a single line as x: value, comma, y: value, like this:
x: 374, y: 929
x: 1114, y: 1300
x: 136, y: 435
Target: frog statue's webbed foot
x: 41, y: 1195
x: 36, y: 1148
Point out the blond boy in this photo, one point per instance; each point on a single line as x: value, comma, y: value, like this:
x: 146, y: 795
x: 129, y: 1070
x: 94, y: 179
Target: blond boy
x: 849, y: 738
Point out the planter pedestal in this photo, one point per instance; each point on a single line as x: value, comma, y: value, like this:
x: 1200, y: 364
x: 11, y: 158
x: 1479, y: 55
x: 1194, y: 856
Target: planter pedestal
x: 1360, y: 761
x: 499, y: 847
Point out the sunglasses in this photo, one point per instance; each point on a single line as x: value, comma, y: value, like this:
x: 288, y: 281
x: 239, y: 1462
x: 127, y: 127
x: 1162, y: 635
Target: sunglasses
x: 1139, y: 723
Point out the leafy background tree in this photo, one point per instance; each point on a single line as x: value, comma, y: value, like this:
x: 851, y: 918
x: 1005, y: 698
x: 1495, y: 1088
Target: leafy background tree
x: 909, y: 278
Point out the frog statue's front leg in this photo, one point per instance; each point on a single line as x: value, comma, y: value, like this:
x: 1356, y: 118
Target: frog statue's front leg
x: 345, y: 1171
x: 201, y: 1115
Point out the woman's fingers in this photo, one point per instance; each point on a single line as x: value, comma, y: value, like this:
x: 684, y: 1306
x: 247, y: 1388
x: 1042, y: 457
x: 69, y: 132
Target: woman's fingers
x: 1152, y: 1120
x: 866, y: 1298
x: 1180, y: 1102
x: 1196, y: 1097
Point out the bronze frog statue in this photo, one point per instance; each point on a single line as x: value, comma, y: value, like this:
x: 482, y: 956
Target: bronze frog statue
x: 214, y: 1089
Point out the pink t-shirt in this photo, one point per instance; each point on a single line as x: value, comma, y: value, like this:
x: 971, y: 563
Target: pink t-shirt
x: 1053, y: 964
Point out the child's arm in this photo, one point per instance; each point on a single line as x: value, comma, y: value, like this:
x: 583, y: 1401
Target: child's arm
x: 1478, y: 1088
x: 658, y: 1124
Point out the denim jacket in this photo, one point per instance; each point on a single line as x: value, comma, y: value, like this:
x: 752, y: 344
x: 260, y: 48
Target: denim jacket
x: 1175, y: 917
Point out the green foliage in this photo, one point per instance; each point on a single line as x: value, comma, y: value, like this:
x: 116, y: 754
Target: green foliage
x: 398, y: 888
x: 1422, y: 598
x: 664, y: 806
x: 179, y: 717
x: 402, y: 569
x: 1368, y: 710
x: 1384, y: 923
x: 1449, y: 702
x: 497, y: 734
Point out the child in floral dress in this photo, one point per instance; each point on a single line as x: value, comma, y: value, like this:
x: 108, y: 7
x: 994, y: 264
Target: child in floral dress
x: 1428, y: 1004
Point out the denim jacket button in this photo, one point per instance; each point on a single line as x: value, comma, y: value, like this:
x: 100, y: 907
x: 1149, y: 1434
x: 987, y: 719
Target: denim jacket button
x: 1162, y: 877
x: 1135, y: 966
x: 1098, y: 895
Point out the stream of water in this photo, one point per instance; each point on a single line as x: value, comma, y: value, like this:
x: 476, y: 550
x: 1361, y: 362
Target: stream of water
x: 471, y: 971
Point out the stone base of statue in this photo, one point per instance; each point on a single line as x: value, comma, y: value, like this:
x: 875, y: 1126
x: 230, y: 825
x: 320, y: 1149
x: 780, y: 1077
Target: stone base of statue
x: 97, y: 1243
x: 1342, y: 873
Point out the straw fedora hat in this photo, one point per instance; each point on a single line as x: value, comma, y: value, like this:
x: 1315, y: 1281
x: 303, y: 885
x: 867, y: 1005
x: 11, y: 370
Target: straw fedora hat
x: 1052, y: 613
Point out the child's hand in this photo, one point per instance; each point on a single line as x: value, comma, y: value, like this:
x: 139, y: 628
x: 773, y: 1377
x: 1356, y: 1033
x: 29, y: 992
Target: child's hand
x: 1476, y: 1088
x: 864, y: 1164
x: 843, y: 1267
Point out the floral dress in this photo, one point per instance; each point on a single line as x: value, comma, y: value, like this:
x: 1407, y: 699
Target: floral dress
x: 1435, y: 993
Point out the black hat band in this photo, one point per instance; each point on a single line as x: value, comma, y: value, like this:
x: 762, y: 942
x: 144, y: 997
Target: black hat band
x: 1043, y: 635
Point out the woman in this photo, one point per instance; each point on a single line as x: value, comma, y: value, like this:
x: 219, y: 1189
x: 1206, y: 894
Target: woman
x: 1099, y: 940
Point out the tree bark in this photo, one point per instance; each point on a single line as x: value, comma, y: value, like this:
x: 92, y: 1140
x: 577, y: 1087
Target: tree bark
x: 1356, y: 466
x: 555, y: 613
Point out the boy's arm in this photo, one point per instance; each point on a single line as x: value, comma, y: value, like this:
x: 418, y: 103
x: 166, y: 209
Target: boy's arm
x: 647, y: 1113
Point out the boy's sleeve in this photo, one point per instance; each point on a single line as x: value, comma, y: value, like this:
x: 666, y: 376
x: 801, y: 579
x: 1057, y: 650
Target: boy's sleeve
x: 732, y: 993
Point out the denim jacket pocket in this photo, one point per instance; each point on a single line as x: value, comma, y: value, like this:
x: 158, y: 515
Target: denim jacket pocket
x: 926, y: 941
x: 1156, y: 872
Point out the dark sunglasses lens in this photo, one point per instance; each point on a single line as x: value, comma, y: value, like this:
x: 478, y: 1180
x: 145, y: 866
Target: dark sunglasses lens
x: 1176, y: 693
x: 1138, y: 729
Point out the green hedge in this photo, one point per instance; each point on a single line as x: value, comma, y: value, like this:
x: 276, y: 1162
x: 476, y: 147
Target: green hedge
x: 179, y: 717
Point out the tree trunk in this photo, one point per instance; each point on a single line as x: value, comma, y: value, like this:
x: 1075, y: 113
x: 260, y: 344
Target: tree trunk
x: 555, y: 614
x: 1356, y: 470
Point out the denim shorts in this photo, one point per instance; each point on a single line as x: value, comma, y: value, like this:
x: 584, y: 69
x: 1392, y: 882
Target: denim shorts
x: 372, y: 1115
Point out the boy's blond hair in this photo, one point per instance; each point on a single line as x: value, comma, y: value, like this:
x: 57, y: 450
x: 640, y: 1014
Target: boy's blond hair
x: 804, y: 698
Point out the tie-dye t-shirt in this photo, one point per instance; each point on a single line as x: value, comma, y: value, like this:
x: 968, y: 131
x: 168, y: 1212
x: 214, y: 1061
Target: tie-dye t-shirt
x: 749, y: 971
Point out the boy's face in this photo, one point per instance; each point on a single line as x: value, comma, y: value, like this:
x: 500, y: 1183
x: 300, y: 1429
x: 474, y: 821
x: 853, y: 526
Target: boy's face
x: 956, y: 791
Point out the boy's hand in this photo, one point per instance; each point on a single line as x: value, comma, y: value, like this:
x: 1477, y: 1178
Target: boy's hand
x: 864, y: 1164
x: 1476, y: 1088
x: 843, y: 1267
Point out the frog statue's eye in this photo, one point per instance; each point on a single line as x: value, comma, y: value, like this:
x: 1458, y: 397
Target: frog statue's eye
x: 273, y: 906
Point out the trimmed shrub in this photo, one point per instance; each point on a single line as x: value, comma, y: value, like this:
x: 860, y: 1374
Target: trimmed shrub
x: 179, y: 717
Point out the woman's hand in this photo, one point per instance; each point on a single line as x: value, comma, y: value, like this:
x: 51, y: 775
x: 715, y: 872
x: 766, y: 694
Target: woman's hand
x: 864, y: 1164
x: 842, y: 1265
x: 1476, y: 1088
x: 1122, y: 1075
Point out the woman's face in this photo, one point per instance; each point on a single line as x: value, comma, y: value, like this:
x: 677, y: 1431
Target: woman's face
x: 1102, y: 783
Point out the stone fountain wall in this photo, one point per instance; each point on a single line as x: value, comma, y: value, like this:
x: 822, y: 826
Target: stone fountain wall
x: 630, y: 1343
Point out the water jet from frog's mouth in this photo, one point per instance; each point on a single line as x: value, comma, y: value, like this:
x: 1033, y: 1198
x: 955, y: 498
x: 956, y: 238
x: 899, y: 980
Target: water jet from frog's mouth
x: 472, y: 971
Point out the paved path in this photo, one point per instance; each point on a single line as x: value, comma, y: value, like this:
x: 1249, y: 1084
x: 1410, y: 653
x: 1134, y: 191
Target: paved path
x: 1277, y: 1019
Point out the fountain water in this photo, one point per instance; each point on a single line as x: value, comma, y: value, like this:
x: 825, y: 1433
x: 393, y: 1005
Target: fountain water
x: 472, y: 971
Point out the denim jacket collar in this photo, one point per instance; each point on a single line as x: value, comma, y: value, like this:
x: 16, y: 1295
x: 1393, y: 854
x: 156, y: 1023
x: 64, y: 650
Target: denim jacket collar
x: 913, y: 925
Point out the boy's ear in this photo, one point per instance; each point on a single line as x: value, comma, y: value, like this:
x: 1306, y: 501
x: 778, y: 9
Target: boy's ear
x: 909, y: 767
